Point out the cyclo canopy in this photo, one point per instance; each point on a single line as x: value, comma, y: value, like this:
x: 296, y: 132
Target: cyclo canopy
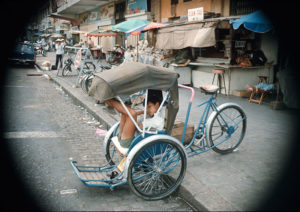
x: 133, y: 77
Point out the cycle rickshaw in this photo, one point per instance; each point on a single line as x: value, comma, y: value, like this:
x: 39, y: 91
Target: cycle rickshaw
x: 155, y: 163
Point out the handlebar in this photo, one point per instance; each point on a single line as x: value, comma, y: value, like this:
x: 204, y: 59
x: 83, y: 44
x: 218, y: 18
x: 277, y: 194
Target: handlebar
x: 188, y: 88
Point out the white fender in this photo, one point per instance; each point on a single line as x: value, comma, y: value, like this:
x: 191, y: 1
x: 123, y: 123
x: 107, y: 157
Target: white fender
x: 142, y: 143
x: 107, y: 136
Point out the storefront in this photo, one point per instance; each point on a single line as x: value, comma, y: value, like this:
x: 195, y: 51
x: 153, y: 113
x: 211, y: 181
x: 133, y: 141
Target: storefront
x: 213, y: 44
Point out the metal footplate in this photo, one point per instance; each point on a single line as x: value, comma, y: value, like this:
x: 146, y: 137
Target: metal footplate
x: 97, y: 176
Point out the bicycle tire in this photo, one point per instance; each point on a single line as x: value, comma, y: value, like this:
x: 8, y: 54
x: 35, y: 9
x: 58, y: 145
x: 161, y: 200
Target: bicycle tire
x: 157, y: 169
x: 66, y: 70
x: 88, y: 67
x: 88, y: 82
x: 82, y: 83
x: 226, y: 137
x: 111, y: 154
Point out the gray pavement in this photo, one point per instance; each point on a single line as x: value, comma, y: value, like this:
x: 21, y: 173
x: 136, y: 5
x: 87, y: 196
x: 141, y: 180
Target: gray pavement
x: 44, y: 130
x: 235, y: 182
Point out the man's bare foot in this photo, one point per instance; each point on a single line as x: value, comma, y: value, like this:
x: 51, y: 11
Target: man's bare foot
x: 249, y: 87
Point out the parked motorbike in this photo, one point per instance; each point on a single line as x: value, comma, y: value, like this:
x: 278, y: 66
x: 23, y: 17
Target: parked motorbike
x: 115, y: 57
x: 39, y: 49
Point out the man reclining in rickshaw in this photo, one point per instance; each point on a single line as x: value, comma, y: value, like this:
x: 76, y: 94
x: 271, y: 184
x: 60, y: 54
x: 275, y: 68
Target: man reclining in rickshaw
x: 127, y: 128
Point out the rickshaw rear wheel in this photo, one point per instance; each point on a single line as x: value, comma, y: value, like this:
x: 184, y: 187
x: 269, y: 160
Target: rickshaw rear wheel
x: 157, y: 169
x: 227, y: 128
x: 111, y: 154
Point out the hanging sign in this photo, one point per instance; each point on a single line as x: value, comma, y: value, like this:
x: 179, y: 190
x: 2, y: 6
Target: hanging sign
x: 196, y: 14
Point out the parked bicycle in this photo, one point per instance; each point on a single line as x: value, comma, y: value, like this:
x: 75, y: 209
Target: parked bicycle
x: 69, y: 66
x: 88, y: 77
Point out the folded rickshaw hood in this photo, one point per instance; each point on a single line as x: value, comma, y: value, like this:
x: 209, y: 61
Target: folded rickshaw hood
x: 129, y: 78
x: 133, y: 77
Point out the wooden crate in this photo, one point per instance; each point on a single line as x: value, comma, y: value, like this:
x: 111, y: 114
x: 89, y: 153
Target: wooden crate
x: 178, y: 130
x: 241, y: 93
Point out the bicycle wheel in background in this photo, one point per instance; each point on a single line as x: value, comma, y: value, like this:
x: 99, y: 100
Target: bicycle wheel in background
x: 66, y: 70
x: 83, y: 83
x: 226, y: 128
x: 88, y: 67
x: 88, y: 82
x: 44, y: 53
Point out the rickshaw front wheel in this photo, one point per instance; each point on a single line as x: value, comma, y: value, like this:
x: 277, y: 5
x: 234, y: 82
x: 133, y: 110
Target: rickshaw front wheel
x: 157, y: 169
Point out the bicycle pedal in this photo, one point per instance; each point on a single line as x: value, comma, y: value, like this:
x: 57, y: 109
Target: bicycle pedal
x: 112, y: 175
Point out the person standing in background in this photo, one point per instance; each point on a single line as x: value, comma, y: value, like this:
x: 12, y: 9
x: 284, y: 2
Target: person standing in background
x: 59, y: 52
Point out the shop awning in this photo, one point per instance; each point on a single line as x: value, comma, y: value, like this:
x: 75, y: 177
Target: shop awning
x: 256, y: 22
x: 192, y: 35
x: 38, y: 34
x: 77, y: 32
x: 97, y: 33
x: 130, y: 25
x: 45, y: 35
x: 146, y: 27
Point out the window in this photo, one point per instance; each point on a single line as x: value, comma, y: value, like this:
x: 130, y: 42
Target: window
x: 174, y: 1
x: 243, y: 7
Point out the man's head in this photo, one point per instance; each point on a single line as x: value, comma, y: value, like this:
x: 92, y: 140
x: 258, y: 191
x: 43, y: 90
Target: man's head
x: 155, y: 98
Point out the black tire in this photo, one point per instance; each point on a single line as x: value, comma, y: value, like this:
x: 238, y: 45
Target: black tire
x: 112, y: 156
x: 88, y: 82
x: 154, y: 176
x: 82, y: 83
x: 88, y: 67
x: 227, y: 136
x: 67, y: 69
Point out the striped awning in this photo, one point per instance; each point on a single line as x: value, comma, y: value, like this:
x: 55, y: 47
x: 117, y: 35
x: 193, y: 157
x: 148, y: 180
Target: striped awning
x: 97, y: 33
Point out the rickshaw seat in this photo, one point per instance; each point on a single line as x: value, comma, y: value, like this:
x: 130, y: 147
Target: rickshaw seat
x: 209, y: 89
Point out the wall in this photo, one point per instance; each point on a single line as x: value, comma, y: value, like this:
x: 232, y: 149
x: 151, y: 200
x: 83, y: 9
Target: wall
x: 182, y: 7
x: 155, y: 10
x: 217, y: 6
x: 88, y: 28
x: 135, y: 6
x: 269, y: 45
x: 221, y: 6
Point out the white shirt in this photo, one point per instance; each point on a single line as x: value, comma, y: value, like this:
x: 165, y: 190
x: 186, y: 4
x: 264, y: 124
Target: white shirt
x: 157, y: 121
x: 60, y: 48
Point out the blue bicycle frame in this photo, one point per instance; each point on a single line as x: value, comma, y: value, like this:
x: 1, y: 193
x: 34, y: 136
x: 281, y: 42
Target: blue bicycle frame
x: 203, y: 146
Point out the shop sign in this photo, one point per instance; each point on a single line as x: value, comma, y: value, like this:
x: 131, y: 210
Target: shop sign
x: 196, y: 14
x: 94, y: 16
x: 136, y: 6
x: 83, y: 18
x: 107, y: 11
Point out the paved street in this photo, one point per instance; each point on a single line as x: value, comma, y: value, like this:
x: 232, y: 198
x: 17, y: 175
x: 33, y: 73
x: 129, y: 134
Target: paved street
x: 44, y: 131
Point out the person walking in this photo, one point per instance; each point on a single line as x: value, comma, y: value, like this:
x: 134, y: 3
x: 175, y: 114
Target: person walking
x: 59, y: 52
x: 91, y: 43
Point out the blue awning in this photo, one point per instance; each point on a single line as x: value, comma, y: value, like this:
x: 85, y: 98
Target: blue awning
x: 38, y: 33
x: 256, y: 22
